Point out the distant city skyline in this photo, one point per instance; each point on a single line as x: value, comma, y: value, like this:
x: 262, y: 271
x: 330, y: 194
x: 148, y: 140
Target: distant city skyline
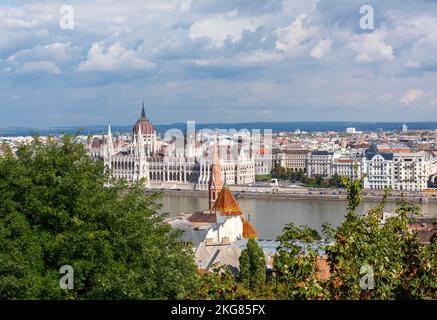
x: 216, y: 61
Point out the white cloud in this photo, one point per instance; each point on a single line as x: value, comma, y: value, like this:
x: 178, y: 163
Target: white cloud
x: 54, y: 52
x: 220, y: 51
x: 114, y: 58
x: 218, y: 28
x: 291, y: 37
x: 411, y: 96
x: 415, y: 36
x: 433, y: 102
x: 371, y: 47
x: 50, y: 58
x: 321, y: 49
x: 420, y: 55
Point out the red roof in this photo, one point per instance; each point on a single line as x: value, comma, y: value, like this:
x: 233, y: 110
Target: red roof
x: 344, y: 160
x: 96, y: 143
x: 145, y: 125
x: 201, y: 217
x: 248, y: 230
x: 264, y: 151
x: 226, y: 203
x: 394, y: 149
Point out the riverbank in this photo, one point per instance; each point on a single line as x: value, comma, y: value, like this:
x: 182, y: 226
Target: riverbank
x: 314, y: 194
x: 270, y: 214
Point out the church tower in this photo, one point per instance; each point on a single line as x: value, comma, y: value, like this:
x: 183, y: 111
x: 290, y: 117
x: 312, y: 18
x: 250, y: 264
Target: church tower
x: 215, y: 180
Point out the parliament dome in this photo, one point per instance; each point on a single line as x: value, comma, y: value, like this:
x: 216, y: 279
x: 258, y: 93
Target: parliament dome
x: 144, y: 124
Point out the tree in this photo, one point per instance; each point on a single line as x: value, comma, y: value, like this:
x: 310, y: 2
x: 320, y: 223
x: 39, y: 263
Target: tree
x: 58, y: 207
x: 295, y: 268
x: 252, y: 266
x: 399, y: 266
x: 220, y: 284
x: 293, y: 233
x: 354, y: 188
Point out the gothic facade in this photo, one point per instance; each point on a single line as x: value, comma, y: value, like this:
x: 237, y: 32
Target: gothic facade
x: 144, y: 155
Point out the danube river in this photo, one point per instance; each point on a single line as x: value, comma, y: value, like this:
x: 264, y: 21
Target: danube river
x: 270, y: 215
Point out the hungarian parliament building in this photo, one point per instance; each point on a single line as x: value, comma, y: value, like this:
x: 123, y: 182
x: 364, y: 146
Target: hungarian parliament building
x: 167, y: 164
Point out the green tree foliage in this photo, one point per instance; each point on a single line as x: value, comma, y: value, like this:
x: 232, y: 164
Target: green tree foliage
x: 220, y: 284
x: 263, y: 178
x: 299, y: 176
x: 353, y: 189
x: 297, y: 270
x: 292, y: 233
x: 287, y: 174
x: 402, y: 268
x: 58, y: 207
x: 252, y: 266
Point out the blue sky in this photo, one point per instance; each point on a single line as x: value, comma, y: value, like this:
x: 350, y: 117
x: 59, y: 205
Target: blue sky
x: 217, y: 61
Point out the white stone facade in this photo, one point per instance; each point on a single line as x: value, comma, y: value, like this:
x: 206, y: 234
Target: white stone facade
x: 399, y: 171
x: 139, y: 157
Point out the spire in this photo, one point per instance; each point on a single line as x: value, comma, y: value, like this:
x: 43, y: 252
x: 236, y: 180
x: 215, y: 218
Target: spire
x: 109, y: 144
x: 215, y: 181
x: 109, y: 130
x: 143, y: 113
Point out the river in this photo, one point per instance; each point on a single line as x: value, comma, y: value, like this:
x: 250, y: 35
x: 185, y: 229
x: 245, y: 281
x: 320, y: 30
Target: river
x: 270, y: 215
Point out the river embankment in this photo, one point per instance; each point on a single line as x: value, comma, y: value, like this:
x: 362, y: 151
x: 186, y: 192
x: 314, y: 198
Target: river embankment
x: 302, y: 193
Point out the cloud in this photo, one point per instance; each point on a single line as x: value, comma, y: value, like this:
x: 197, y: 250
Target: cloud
x: 114, y: 58
x: 296, y: 8
x: 420, y: 56
x: 371, y: 47
x: 246, y: 7
x: 321, y: 49
x: 238, y: 55
x: 55, y: 52
x: 291, y: 37
x: 411, y: 96
x: 48, y: 58
x: 218, y: 28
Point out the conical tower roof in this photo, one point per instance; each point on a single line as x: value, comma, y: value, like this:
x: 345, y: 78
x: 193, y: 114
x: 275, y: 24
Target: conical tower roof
x: 249, y: 231
x: 226, y: 203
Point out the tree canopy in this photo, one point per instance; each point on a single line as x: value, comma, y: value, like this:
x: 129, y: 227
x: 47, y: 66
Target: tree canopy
x: 58, y: 207
x: 252, y: 266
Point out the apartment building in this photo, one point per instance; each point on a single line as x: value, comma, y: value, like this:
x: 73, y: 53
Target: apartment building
x: 295, y: 159
x: 320, y: 163
x: 402, y: 171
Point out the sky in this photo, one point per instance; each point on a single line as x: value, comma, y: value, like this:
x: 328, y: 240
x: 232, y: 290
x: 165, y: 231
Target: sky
x: 216, y: 61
